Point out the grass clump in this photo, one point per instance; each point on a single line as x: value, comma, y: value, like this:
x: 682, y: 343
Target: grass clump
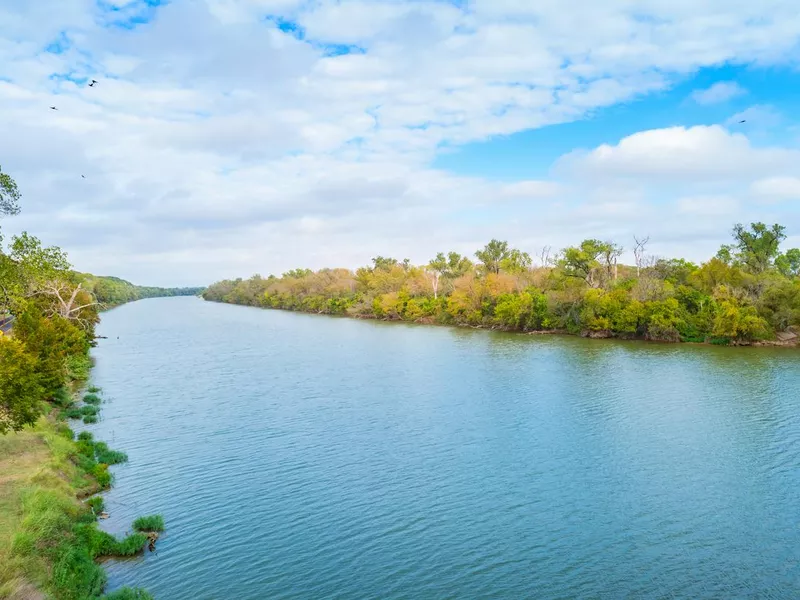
x: 73, y: 413
x: 97, y: 504
x: 93, y: 399
x: 90, y: 419
x: 93, y: 389
x: 149, y: 523
x: 104, y: 454
x: 128, y: 594
x: 89, y: 410
x: 62, y: 398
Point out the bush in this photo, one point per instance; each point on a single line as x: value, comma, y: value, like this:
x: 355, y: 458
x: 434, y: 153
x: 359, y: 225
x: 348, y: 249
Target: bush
x: 90, y: 419
x: 150, y: 523
x: 93, y: 389
x: 85, y: 436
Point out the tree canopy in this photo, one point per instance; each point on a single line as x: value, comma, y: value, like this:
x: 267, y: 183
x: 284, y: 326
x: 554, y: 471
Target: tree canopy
x: 750, y: 292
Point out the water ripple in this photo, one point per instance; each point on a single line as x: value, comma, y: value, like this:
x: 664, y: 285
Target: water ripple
x: 302, y: 457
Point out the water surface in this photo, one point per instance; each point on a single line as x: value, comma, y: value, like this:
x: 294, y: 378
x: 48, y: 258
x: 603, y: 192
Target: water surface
x: 304, y: 457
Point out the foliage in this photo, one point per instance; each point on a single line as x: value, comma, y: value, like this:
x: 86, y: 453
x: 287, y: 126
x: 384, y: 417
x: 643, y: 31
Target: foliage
x: 21, y: 387
x: 747, y: 293
x: 92, y: 399
x: 127, y: 593
x: 149, y: 523
x: 9, y: 195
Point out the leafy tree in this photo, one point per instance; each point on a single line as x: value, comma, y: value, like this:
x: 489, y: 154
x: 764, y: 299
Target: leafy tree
x: 9, y: 195
x: 492, y: 255
x: 788, y: 263
x: 516, y: 262
x: 757, y: 247
x: 582, y: 261
x: 20, y: 388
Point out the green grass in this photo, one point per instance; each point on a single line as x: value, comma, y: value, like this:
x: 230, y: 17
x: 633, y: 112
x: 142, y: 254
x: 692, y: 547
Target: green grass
x: 89, y: 410
x: 92, y: 399
x: 149, y: 523
x: 62, y: 397
x: 85, y: 436
x: 128, y: 594
x: 73, y: 413
x: 110, y: 457
x: 97, y: 504
x: 90, y: 419
x: 93, y: 389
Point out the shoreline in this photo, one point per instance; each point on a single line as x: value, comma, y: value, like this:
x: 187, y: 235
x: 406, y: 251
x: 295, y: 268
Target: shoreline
x: 51, y: 544
x: 600, y: 335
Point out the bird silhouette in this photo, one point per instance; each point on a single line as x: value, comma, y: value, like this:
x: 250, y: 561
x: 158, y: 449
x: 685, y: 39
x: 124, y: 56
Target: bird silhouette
x: 83, y: 176
x: 743, y: 121
x: 53, y: 108
x: 93, y: 82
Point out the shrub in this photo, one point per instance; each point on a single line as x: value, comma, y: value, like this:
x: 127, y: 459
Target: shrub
x: 93, y: 389
x: 90, y: 419
x: 149, y: 523
x: 85, y: 436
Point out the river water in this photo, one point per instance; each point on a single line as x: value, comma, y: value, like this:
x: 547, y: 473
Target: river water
x: 310, y: 457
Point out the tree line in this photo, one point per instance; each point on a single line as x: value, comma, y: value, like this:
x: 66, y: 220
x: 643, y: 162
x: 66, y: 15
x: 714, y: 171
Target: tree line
x: 48, y: 314
x: 749, y: 292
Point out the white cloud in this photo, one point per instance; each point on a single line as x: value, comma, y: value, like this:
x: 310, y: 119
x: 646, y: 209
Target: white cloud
x: 722, y: 91
x: 777, y: 189
x: 679, y: 154
x: 217, y: 144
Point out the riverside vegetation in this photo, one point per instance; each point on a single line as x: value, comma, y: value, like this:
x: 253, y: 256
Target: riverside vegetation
x: 748, y: 293
x: 49, y: 538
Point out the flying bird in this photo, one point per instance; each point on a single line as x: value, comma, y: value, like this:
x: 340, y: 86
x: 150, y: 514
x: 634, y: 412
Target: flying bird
x: 93, y: 82
x: 743, y: 121
x: 53, y: 108
x: 83, y: 176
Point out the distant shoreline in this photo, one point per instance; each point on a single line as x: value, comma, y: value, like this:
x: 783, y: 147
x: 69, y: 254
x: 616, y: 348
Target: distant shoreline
x: 597, y: 335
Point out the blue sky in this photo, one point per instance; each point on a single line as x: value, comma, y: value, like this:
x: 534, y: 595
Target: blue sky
x: 227, y: 137
x: 531, y: 153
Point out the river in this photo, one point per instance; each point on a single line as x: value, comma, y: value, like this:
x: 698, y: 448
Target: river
x: 310, y: 457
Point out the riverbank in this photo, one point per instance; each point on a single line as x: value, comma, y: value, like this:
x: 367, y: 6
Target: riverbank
x: 50, y: 540
x: 792, y: 340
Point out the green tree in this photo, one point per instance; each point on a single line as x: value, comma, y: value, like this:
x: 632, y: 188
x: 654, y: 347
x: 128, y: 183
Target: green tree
x: 788, y: 263
x: 516, y: 262
x: 757, y: 247
x: 9, y: 195
x: 582, y: 262
x: 20, y: 388
x: 492, y: 255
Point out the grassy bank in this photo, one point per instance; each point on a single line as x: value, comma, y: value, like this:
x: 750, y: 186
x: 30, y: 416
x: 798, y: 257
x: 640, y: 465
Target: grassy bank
x: 49, y: 537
